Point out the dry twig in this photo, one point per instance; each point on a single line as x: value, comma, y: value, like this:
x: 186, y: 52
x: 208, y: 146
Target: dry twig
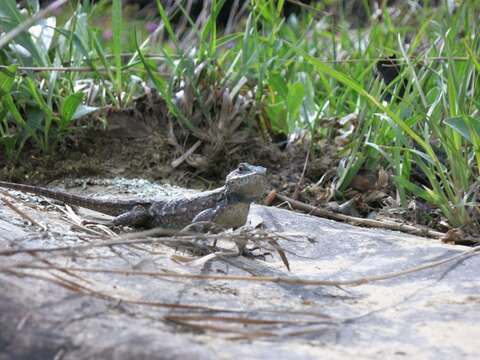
x: 300, y: 181
x: 177, y: 162
x: 20, y: 212
x: 272, y: 279
x: 72, y: 286
x: 390, y: 225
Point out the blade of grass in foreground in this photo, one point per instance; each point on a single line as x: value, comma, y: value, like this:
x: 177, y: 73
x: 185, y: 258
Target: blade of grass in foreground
x: 117, y: 43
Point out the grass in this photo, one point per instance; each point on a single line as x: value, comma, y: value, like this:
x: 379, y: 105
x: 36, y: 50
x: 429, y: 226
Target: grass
x: 283, y: 73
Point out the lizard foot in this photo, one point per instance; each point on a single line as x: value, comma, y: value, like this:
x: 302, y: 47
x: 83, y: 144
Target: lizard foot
x: 249, y: 253
x: 136, y: 217
x: 202, y: 227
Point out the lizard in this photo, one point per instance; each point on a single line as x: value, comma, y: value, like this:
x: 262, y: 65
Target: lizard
x: 227, y: 205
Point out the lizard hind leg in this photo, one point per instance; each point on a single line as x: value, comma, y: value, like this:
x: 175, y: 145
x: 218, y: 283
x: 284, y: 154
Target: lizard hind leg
x: 138, y: 216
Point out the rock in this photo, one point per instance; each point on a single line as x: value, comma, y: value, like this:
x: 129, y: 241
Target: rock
x: 433, y: 313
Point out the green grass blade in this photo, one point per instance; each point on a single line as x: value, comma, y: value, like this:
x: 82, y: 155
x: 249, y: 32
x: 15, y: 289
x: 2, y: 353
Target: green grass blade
x: 117, y: 42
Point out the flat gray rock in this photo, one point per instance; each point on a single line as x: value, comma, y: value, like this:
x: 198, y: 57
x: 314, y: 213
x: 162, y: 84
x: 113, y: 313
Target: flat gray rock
x: 434, y: 313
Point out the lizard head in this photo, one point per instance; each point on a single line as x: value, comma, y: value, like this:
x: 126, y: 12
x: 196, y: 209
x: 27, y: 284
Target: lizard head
x: 247, y: 181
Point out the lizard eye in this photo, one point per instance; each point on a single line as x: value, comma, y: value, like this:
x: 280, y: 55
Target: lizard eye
x: 242, y: 167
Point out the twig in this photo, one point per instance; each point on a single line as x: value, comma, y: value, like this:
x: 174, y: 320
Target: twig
x: 70, y: 285
x: 222, y: 329
x: 192, y: 321
x: 126, y: 239
x: 310, y: 331
x: 300, y: 181
x: 160, y: 57
x: 21, y: 213
x: 272, y: 279
x: 57, y: 68
x: 242, y: 320
x: 414, y: 230
x: 37, y: 257
x: 173, y: 237
x: 26, y: 69
x: 175, y: 163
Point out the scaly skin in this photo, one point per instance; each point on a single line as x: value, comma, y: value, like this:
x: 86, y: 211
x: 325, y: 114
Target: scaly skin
x: 227, y: 206
x: 109, y: 207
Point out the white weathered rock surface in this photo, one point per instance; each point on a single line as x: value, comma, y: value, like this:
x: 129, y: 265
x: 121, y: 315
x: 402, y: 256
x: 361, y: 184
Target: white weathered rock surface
x: 432, y: 314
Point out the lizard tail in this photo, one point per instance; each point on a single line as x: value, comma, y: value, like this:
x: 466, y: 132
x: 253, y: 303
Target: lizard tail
x: 113, y: 208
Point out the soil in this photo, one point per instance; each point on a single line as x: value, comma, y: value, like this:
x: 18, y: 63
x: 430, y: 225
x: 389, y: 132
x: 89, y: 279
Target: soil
x: 137, y: 143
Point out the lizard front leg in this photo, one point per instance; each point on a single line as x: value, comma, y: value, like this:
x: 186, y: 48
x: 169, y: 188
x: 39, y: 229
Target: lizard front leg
x: 205, y: 215
x: 225, y: 215
x: 138, y: 216
x: 216, y: 217
x: 204, y: 222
